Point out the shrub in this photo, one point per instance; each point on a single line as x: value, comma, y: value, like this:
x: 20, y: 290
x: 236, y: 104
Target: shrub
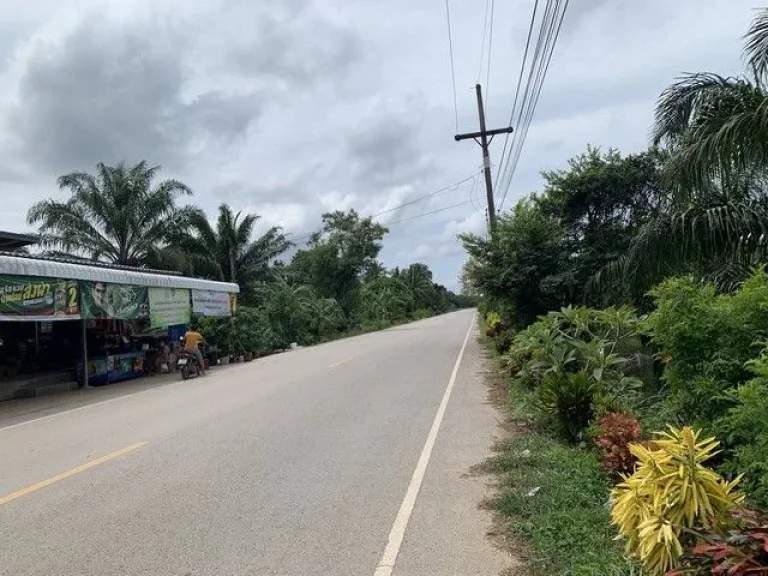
x: 421, y: 314
x: 746, y: 428
x: 740, y: 550
x: 492, y: 324
x: 616, y: 432
x: 705, y: 339
x: 503, y: 341
x: 566, y: 399
x: 670, y: 494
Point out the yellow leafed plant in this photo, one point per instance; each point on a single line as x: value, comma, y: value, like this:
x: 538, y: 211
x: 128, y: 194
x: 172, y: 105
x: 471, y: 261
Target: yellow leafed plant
x: 492, y: 324
x: 670, y: 493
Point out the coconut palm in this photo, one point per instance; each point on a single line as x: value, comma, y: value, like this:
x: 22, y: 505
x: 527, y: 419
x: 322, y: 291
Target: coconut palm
x: 116, y: 215
x: 228, y: 252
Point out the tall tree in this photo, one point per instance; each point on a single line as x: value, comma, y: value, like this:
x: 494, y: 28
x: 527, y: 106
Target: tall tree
x: 229, y: 252
x: 339, y: 256
x: 418, y: 278
x: 602, y: 199
x: 116, y: 215
x: 523, y: 266
x: 385, y: 300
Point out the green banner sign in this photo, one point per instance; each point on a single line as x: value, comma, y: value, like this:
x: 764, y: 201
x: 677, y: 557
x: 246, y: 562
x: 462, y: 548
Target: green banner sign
x: 34, y: 296
x: 120, y: 301
x: 168, y: 307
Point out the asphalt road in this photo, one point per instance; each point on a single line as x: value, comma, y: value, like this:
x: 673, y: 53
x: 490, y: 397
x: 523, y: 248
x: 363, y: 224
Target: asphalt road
x: 348, y: 458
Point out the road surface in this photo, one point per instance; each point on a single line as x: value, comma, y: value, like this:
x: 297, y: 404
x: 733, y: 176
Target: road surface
x: 342, y: 459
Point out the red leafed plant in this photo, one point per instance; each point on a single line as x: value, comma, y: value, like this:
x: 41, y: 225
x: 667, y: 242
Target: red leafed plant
x: 616, y: 432
x: 740, y: 550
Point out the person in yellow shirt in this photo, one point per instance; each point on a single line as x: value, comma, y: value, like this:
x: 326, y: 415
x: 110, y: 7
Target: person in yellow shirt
x: 192, y: 341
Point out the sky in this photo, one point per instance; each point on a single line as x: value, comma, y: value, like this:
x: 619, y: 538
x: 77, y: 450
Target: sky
x: 291, y: 108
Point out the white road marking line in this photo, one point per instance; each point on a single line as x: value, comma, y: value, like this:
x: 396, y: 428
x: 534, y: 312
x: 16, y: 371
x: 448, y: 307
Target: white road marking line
x: 387, y: 563
x: 340, y: 362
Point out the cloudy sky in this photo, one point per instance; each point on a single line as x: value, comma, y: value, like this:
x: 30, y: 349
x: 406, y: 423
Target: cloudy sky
x: 289, y: 108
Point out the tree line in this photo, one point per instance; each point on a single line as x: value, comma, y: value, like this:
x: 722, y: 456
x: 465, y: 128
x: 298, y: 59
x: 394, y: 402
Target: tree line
x: 608, y: 226
x: 334, y: 285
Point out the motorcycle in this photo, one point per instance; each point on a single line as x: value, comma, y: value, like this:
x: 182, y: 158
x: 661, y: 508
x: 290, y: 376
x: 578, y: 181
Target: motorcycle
x: 188, y: 365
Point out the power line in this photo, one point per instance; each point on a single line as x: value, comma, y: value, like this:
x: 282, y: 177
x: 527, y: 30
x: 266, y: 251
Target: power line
x: 517, y: 90
x: 539, y: 82
x: 490, y: 53
x: 428, y: 213
x: 530, y: 113
x: 535, y: 65
x: 453, y: 67
x: 482, y: 42
x: 549, y: 32
x: 449, y: 188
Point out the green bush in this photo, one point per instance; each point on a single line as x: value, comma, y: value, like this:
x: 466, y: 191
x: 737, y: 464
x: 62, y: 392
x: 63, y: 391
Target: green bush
x: 602, y: 346
x: 567, y: 402
x: 705, y: 340
x: 218, y: 333
x: 421, y: 314
x: 503, y: 341
x: 745, y: 432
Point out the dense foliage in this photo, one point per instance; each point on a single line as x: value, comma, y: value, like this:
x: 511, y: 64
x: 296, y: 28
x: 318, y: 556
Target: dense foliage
x: 678, y: 233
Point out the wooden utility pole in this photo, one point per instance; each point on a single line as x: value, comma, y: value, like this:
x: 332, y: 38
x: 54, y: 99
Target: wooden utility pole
x: 484, y: 142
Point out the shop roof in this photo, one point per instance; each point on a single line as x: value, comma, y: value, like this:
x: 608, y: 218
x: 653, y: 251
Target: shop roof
x: 71, y: 269
x: 14, y: 241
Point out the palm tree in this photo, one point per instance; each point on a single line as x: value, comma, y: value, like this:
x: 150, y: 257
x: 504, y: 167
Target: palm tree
x: 418, y: 278
x: 227, y: 251
x: 716, y: 129
x: 116, y: 216
x: 718, y: 126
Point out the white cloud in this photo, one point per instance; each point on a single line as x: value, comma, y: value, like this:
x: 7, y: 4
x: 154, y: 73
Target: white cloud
x: 296, y: 107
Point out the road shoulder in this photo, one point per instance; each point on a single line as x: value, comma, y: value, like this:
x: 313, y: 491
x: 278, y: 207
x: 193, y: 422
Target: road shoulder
x: 448, y: 531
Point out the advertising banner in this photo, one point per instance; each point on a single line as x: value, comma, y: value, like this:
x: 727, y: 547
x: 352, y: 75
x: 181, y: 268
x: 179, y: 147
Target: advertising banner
x: 168, y: 307
x: 30, y: 296
x: 208, y: 303
x: 119, y: 301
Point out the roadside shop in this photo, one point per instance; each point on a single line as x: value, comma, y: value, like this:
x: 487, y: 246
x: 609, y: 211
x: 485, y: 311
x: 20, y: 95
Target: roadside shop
x: 68, y: 323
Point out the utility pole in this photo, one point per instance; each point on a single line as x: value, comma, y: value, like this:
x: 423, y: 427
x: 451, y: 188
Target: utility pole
x: 484, y: 142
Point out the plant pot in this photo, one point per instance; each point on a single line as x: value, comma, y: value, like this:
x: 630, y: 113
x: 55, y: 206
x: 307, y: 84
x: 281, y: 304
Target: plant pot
x: 248, y: 356
x: 224, y: 360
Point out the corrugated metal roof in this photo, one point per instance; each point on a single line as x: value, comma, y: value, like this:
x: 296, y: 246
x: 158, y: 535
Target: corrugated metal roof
x: 27, y: 265
x: 13, y: 240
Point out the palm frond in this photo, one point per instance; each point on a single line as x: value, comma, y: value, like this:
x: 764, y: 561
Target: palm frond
x: 717, y: 127
x: 716, y: 240
x: 756, y: 47
x: 679, y: 103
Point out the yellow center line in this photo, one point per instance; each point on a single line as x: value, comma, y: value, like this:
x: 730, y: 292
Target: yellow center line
x: 340, y: 362
x: 64, y: 475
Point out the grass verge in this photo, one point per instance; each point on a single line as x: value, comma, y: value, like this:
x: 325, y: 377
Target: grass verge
x: 554, y: 496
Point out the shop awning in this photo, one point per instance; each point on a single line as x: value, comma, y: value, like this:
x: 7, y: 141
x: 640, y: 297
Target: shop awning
x: 55, y: 268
